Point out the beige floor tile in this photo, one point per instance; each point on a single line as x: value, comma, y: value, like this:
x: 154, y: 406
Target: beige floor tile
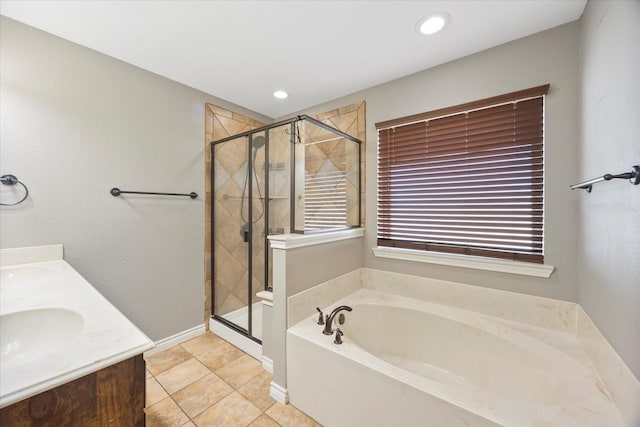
x: 240, y: 371
x: 182, y: 375
x: 220, y: 355
x: 234, y: 410
x: 257, y: 391
x: 289, y: 416
x: 202, y: 343
x: 149, y: 374
x: 200, y: 395
x: 189, y: 424
x: 165, y: 414
x: 154, y: 393
x: 167, y: 359
x: 264, y: 421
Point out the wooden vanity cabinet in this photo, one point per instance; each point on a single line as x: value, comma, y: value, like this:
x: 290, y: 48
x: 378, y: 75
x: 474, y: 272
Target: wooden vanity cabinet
x: 113, y: 396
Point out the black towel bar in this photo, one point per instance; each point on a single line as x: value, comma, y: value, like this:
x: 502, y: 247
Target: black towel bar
x: 633, y: 176
x: 115, y: 192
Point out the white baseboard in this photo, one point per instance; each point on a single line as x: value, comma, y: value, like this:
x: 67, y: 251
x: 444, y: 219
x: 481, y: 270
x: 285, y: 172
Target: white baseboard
x: 267, y: 364
x: 245, y: 344
x: 279, y: 393
x: 176, y: 339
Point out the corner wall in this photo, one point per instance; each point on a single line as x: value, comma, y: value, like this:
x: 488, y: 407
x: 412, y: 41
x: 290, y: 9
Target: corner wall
x: 609, y: 234
x: 547, y: 57
x: 76, y: 123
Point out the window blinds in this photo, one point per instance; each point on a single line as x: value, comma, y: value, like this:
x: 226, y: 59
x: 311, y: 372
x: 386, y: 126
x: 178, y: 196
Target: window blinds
x: 466, y: 179
x: 325, y: 200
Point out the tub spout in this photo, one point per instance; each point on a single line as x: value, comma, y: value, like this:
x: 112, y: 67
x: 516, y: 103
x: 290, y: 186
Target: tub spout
x: 328, y: 330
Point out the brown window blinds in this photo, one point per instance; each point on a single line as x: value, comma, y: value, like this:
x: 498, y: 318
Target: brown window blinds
x: 465, y: 179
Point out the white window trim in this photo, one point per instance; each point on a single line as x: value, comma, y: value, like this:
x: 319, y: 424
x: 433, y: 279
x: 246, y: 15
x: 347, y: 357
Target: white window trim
x: 466, y: 261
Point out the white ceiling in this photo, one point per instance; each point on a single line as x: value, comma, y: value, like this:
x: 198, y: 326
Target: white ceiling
x: 317, y: 51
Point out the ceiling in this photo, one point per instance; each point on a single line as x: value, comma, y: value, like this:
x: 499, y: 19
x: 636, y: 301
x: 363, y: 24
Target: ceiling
x: 242, y: 51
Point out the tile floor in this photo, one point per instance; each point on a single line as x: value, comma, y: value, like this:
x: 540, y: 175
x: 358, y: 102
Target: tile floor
x: 208, y: 382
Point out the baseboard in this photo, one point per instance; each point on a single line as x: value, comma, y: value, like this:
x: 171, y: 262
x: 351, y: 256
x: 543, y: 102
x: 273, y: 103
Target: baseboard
x: 245, y: 344
x: 279, y: 393
x: 176, y: 339
x: 267, y: 364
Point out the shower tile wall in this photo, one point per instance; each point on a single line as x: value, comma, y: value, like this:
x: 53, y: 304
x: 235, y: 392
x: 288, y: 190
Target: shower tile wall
x: 231, y: 252
x: 221, y: 123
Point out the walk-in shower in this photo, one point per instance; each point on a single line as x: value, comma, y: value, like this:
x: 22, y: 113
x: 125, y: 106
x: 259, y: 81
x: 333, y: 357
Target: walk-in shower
x: 295, y: 176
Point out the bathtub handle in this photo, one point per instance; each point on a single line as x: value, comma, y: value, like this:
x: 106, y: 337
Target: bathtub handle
x: 320, y: 318
x: 339, y: 335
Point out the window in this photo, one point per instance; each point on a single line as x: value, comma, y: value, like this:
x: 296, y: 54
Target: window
x: 466, y: 179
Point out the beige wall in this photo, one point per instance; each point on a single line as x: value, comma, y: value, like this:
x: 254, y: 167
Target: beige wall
x: 309, y: 266
x: 75, y: 123
x: 547, y: 57
x: 609, y: 247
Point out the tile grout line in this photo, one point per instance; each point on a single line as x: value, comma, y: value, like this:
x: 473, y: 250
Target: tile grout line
x: 256, y: 392
x: 211, y: 371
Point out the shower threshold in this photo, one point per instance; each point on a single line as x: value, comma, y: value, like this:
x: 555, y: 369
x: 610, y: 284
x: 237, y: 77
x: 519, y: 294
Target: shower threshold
x: 240, y: 317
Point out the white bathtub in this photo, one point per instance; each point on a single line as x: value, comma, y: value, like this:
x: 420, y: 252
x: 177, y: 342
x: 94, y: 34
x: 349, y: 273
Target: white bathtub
x: 406, y: 362
x: 54, y: 326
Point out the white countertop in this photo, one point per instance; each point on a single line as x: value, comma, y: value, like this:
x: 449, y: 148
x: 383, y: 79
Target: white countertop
x: 102, y: 337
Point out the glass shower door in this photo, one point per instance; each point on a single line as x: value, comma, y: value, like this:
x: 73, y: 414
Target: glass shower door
x: 230, y: 248
x: 240, y: 209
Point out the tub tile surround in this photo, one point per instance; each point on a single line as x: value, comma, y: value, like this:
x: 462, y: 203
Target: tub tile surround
x: 101, y: 336
x: 323, y: 295
x: 532, y: 310
x: 527, y: 309
x: 559, y: 324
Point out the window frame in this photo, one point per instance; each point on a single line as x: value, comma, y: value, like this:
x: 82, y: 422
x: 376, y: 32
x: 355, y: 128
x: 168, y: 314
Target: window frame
x: 465, y: 249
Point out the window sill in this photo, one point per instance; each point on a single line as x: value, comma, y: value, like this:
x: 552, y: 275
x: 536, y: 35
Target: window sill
x: 465, y: 261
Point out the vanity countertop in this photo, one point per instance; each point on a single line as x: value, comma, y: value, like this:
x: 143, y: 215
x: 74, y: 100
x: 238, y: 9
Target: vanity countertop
x: 54, y: 326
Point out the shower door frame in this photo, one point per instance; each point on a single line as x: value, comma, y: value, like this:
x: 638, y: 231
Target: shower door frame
x: 248, y: 332
x: 248, y: 134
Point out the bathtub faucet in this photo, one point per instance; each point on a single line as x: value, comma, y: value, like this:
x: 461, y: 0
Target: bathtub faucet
x: 328, y: 330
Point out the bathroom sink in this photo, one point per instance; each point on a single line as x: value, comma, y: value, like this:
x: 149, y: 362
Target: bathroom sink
x: 31, y: 334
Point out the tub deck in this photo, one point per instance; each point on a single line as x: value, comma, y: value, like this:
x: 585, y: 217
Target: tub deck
x: 389, y: 371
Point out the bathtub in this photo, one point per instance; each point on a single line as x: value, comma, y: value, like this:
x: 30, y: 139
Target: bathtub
x: 408, y: 362
x: 54, y: 326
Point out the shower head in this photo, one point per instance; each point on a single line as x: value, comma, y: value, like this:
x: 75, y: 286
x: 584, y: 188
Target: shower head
x: 258, y: 142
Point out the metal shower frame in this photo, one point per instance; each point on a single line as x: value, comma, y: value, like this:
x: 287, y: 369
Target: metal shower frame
x: 249, y: 135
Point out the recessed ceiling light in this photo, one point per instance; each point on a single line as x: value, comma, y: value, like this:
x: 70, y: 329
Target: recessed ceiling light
x: 280, y: 94
x: 432, y: 23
